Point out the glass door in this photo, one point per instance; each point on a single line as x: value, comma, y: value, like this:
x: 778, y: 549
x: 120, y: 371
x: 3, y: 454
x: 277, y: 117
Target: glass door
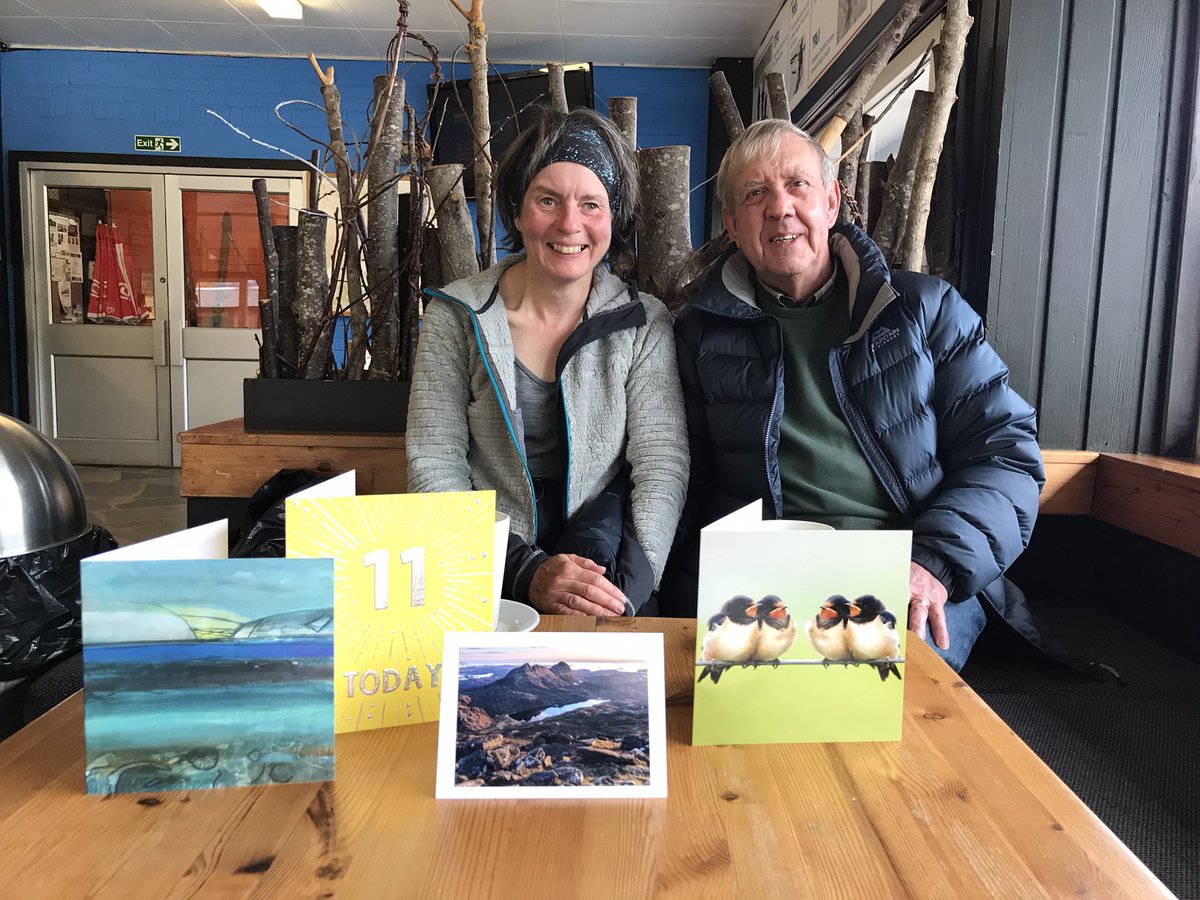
x: 95, y: 274
x: 216, y: 288
x: 142, y: 293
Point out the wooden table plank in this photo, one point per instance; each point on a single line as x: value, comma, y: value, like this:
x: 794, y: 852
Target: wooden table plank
x: 960, y: 807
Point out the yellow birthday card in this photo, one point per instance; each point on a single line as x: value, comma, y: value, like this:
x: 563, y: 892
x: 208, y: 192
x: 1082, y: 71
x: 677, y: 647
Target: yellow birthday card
x: 407, y: 569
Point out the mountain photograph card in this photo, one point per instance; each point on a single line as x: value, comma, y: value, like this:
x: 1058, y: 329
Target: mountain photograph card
x: 567, y: 715
x: 205, y: 672
x: 800, y: 632
x: 407, y: 569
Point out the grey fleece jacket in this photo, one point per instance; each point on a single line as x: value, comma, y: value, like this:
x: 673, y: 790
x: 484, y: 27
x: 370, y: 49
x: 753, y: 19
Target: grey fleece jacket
x: 621, y: 396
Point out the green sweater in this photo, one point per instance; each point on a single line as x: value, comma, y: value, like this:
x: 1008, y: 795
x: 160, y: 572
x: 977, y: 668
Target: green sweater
x: 823, y: 473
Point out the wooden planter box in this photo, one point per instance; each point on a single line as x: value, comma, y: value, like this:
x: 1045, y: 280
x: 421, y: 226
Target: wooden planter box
x: 304, y: 406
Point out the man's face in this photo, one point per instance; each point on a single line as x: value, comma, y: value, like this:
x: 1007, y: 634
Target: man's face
x: 781, y: 218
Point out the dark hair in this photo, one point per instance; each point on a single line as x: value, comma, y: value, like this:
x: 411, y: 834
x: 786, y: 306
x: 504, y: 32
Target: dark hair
x: 529, y: 153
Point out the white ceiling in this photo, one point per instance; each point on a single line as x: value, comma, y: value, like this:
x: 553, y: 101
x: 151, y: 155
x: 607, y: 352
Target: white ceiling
x: 605, y: 32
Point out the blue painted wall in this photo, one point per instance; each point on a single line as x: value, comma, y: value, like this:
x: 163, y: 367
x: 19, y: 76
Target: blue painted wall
x: 96, y: 101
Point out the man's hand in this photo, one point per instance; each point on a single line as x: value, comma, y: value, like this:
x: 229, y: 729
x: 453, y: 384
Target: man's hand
x: 927, y: 602
x: 570, y: 585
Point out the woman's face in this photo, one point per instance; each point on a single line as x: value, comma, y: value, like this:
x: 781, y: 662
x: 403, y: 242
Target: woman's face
x: 565, y: 222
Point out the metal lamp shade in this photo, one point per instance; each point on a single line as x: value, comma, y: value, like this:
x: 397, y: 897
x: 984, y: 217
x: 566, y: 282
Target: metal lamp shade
x: 41, y: 499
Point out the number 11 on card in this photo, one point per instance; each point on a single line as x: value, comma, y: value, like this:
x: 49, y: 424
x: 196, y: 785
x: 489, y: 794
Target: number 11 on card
x: 413, y: 556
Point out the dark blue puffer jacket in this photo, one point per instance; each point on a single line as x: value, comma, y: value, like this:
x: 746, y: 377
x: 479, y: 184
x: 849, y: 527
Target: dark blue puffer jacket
x: 925, y: 396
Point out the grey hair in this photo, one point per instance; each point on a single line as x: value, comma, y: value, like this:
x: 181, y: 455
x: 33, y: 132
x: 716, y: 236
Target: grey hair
x: 765, y: 139
x: 528, y: 154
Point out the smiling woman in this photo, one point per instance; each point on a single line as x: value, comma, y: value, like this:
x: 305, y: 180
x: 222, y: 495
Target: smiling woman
x: 553, y: 382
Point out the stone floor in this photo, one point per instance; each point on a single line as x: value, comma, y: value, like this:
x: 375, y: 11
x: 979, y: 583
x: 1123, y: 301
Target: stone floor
x: 135, y: 504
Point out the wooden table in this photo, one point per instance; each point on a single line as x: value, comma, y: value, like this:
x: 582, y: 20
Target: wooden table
x: 959, y: 808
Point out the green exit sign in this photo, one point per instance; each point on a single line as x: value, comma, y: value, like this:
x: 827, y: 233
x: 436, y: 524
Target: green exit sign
x: 157, y: 143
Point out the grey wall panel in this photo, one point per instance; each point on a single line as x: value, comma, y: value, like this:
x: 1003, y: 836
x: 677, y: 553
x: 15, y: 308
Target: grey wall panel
x: 1077, y: 246
x: 1024, y: 183
x: 1169, y: 424
x: 1123, y: 308
x: 1093, y: 292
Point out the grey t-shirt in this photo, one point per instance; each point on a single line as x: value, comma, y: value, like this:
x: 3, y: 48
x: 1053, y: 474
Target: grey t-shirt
x: 540, y: 403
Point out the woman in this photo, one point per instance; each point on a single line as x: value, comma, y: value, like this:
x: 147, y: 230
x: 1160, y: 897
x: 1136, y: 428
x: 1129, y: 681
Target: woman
x: 552, y: 382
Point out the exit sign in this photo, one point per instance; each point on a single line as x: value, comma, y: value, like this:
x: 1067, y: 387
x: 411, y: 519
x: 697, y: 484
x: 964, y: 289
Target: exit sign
x: 157, y: 143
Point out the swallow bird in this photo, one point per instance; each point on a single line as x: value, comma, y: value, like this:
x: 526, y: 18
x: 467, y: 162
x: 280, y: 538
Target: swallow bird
x: 871, y: 635
x: 731, y: 638
x: 828, y: 630
x: 775, y: 630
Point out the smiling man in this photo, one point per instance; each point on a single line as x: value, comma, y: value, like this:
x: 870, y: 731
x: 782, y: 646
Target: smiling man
x: 842, y: 392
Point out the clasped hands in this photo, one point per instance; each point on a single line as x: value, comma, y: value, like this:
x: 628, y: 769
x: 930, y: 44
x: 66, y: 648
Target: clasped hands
x: 571, y: 585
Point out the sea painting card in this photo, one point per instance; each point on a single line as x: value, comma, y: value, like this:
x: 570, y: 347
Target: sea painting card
x: 561, y: 714
x: 206, y: 673
x: 407, y: 569
x: 800, y: 633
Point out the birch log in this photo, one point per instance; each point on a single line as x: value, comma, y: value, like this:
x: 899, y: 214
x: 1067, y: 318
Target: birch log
x: 623, y: 112
x: 894, y: 215
x: 383, y: 211
x: 268, y: 308
x: 864, y: 83
x: 948, y: 63
x: 665, y: 236
x: 456, y: 240
x: 285, y: 249
x: 726, y: 105
x: 848, y: 170
x: 482, y: 126
x: 349, y: 222
x: 877, y: 173
x: 558, y: 87
x: 861, y: 190
x: 311, y: 302
x: 777, y: 93
x: 941, y: 239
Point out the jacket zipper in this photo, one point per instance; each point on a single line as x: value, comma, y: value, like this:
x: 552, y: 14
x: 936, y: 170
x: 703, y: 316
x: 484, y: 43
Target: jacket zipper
x: 567, y: 477
x: 862, y: 433
x: 777, y: 501
x: 512, y: 433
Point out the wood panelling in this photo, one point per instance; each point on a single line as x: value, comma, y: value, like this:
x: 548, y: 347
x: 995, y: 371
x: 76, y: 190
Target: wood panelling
x: 1092, y: 294
x: 1070, y: 481
x: 1151, y: 496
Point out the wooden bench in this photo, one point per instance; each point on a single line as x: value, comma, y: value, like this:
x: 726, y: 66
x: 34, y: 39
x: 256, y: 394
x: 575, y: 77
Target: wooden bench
x: 1153, y: 496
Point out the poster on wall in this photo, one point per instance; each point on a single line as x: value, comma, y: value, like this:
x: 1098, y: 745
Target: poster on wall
x: 771, y: 57
x: 797, y: 73
x: 822, y: 37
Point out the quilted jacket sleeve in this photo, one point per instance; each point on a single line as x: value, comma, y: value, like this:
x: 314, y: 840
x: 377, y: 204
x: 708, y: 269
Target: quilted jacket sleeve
x: 437, y: 436
x: 699, y: 442
x: 982, y: 514
x: 657, y: 450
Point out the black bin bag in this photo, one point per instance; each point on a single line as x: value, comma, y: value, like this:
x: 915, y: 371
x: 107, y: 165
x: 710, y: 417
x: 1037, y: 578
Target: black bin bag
x: 39, y: 604
x: 261, y: 533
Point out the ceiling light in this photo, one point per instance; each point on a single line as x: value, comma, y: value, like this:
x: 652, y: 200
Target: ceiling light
x: 282, y: 9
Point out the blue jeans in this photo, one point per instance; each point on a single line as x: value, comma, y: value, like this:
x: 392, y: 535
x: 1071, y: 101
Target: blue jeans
x: 965, y: 621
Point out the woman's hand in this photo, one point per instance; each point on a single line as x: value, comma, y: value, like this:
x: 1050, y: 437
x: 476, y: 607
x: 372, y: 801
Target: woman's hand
x: 570, y: 585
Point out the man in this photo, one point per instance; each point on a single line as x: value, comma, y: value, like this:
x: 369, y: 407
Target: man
x: 842, y: 392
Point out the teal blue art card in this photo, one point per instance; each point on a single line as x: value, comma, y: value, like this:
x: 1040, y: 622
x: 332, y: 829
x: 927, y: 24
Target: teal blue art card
x: 207, y: 673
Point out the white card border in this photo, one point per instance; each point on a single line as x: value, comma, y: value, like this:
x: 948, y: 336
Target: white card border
x: 638, y: 645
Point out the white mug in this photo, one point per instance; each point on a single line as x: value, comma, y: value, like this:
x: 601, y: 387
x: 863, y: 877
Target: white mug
x: 499, y: 554
x: 789, y: 525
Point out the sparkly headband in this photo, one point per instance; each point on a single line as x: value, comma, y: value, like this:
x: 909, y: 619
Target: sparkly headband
x: 583, y: 145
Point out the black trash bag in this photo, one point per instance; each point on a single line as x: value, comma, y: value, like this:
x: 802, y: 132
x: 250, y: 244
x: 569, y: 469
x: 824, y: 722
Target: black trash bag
x: 261, y: 533
x: 39, y: 604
